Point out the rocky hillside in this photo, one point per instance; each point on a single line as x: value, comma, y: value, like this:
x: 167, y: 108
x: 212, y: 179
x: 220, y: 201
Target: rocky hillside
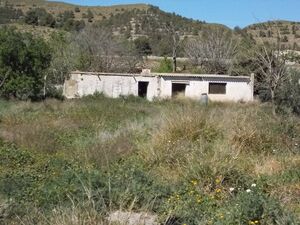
x: 287, y: 31
x: 80, y: 12
x: 131, y: 20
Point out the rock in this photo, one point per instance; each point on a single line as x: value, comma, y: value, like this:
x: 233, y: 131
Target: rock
x: 131, y: 218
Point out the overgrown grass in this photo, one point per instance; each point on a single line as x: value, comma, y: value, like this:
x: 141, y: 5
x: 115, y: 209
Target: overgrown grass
x: 74, y: 162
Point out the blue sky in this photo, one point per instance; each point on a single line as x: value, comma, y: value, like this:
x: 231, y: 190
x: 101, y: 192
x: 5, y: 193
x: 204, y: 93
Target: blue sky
x: 229, y: 12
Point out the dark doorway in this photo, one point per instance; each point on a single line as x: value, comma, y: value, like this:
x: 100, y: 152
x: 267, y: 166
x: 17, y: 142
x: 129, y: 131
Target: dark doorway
x: 143, y: 88
x: 178, y: 89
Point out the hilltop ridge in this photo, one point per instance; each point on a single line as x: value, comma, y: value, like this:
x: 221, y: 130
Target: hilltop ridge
x: 135, y: 20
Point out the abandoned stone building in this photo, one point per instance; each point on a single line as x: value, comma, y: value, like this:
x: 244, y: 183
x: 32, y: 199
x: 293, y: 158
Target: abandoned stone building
x: 160, y: 85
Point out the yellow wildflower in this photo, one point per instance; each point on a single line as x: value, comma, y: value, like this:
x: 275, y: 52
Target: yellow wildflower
x: 194, y: 182
x: 256, y: 221
x: 218, y: 190
x: 218, y: 181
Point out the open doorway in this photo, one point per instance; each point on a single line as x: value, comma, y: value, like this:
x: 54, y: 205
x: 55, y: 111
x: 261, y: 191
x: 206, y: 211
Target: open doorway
x: 143, y: 89
x: 178, y: 89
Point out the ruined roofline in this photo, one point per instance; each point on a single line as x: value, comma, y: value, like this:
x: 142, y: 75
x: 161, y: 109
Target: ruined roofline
x: 150, y: 74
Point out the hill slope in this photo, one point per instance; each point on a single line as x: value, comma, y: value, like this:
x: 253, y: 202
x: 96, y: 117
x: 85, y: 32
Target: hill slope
x: 55, y: 8
x: 135, y: 19
x: 287, y: 31
x: 129, y: 21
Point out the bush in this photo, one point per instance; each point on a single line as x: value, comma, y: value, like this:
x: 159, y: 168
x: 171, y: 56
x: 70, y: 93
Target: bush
x: 133, y: 186
x: 165, y: 66
x: 142, y: 46
x: 23, y: 61
x: 288, y: 95
x: 252, y: 206
x: 77, y: 9
x: 39, y: 17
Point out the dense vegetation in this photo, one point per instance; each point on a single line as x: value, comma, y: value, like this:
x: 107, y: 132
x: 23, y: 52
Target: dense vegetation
x: 23, y: 61
x: 74, y: 162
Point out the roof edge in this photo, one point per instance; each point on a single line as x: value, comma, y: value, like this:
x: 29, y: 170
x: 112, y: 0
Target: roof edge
x: 153, y: 74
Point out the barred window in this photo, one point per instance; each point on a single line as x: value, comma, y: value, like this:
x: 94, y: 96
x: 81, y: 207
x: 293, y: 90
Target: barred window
x: 217, y: 88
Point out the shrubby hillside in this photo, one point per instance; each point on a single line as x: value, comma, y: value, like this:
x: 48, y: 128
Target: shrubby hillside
x: 133, y: 21
x: 287, y: 31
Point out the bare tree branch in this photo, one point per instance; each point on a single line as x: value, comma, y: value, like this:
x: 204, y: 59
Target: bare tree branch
x: 214, y: 48
x: 104, y: 52
x: 4, y: 78
x: 271, y: 61
x: 175, y: 42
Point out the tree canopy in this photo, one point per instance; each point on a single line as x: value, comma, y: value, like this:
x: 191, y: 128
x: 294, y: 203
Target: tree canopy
x: 23, y: 61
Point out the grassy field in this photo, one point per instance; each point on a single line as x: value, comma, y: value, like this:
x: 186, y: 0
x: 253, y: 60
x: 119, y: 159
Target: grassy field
x: 74, y: 162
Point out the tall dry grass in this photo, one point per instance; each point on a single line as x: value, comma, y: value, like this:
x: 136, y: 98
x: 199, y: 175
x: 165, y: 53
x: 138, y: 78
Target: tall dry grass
x: 221, y: 146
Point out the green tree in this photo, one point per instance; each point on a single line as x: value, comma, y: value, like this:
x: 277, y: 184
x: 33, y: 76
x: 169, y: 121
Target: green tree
x: 23, y: 61
x: 287, y: 97
x: 61, y: 64
x: 142, y: 45
x: 39, y: 17
x: 66, y: 21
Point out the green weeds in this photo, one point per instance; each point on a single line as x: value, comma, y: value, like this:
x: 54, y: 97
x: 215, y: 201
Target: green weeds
x: 187, y: 163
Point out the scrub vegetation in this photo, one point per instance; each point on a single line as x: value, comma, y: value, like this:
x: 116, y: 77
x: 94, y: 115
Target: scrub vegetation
x: 74, y: 162
x: 77, y: 161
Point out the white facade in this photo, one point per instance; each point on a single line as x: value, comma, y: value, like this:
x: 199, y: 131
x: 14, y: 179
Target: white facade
x: 160, y: 85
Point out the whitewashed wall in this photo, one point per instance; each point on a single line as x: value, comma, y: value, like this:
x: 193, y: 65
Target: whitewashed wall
x: 81, y: 84
x: 111, y: 86
x: 236, y: 89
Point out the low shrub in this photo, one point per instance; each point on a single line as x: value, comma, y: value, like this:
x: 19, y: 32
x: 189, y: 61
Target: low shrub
x: 165, y: 66
x: 288, y: 95
x: 253, y: 207
x: 41, y: 180
x: 183, y: 133
x: 133, y: 187
x: 189, y: 205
